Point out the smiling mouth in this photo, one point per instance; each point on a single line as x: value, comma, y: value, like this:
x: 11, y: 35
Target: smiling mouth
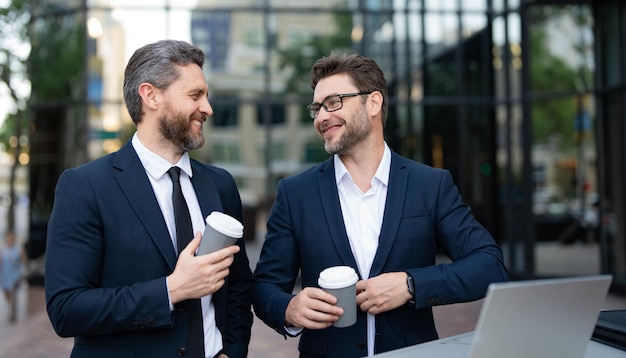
x: 198, y: 120
x: 329, y: 127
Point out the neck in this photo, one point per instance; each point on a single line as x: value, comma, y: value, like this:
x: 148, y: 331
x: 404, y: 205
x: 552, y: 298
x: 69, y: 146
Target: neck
x: 362, y: 164
x: 155, y: 142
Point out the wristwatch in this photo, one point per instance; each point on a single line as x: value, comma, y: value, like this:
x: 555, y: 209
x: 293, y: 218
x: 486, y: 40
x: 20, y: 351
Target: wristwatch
x: 410, y: 287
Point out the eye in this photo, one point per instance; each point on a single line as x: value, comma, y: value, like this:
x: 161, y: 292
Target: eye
x: 333, y: 102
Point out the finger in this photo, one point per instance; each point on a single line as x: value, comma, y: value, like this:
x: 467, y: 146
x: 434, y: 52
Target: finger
x: 361, y: 297
x: 365, y: 305
x: 193, y: 244
x: 320, y: 295
x: 222, y: 254
x: 314, y: 316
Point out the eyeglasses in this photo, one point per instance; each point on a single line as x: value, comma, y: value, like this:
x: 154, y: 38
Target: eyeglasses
x: 331, y: 103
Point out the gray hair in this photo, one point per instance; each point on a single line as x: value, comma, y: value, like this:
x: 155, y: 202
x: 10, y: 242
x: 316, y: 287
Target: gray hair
x: 156, y: 63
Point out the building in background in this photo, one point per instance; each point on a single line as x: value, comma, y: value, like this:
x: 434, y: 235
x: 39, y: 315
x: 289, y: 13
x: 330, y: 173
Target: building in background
x: 523, y: 101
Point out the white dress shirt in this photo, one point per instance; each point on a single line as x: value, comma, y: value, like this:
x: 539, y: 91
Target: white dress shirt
x: 363, y: 218
x: 156, y: 168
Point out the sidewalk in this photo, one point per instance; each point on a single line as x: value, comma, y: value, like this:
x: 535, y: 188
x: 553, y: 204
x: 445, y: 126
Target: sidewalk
x: 32, y: 335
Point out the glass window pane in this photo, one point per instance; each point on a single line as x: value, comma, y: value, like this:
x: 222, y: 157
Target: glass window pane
x: 442, y: 29
x: 498, y: 5
x: 308, y: 4
x: 515, y: 25
x: 499, y: 34
x: 562, y: 48
x: 612, y: 56
x: 449, y: 5
x: 135, y: 3
x: 474, y: 5
x: 565, y: 181
x: 472, y: 24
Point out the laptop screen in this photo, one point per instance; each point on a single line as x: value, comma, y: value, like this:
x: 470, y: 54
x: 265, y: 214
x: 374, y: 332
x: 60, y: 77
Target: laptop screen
x: 539, y: 318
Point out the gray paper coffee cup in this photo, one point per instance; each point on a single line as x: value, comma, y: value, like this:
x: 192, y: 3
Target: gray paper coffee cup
x: 222, y: 230
x: 340, y: 281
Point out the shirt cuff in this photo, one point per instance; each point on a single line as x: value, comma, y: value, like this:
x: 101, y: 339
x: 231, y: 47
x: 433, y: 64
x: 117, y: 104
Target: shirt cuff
x: 293, y: 331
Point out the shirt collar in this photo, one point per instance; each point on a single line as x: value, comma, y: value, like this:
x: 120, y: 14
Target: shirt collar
x: 156, y: 166
x: 381, y: 175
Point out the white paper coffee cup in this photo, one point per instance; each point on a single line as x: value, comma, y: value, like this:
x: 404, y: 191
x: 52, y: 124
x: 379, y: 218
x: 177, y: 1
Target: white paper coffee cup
x: 222, y: 230
x: 340, y: 281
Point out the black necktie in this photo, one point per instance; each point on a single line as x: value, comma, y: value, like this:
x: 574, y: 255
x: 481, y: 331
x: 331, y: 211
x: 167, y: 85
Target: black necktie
x: 184, y: 234
x: 184, y: 229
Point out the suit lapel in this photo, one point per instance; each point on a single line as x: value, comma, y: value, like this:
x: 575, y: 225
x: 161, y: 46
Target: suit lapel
x: 393, y: 213
x: 135, y: 185
x: 206, y: 191
x: 332, y: 212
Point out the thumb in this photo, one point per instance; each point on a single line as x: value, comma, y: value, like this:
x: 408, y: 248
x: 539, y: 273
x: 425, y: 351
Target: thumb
x: 193, y: 245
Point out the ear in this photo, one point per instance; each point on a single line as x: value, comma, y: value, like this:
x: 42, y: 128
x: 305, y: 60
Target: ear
x: 374, y: 103
x: 148, y: 95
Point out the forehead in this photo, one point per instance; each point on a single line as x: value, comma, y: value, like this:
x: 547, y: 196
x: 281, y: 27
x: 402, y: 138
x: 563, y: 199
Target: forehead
x: 331, y: 85
x: 191, y: 79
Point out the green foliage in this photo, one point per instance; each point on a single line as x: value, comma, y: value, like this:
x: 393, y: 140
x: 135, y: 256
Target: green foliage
x: 7, y: 130
x: 13, y: 22
x: 57, y: 58
x: 553, y: 118
x: 300, y: 56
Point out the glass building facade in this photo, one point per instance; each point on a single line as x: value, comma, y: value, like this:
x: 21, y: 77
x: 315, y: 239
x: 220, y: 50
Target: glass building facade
x: 523, y: 101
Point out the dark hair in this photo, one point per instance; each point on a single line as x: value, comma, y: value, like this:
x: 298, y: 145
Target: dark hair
x: 156, y: 63
x: 365, y: 73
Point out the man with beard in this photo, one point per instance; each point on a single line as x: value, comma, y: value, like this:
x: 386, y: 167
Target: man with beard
x: 119, y: 277
x: 366, y: 207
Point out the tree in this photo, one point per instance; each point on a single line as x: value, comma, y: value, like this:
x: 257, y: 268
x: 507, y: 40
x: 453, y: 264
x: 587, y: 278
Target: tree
x: 551, y: 74
x: 13, y: 38
x: 300, y: 57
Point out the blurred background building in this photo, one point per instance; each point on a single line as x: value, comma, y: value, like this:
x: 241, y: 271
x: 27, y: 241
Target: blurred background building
x: 523, y: 101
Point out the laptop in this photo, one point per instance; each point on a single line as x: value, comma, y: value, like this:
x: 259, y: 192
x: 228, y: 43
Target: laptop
x: 539, y: 318
x: 611, y: 329
x: 520, y: 319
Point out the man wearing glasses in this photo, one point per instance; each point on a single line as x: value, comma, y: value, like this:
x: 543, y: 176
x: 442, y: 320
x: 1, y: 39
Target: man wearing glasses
x: 369, y: 208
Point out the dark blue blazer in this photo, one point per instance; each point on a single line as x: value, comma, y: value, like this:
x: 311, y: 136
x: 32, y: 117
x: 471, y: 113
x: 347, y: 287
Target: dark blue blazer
x: 109, y: 251
x: 423, y: 216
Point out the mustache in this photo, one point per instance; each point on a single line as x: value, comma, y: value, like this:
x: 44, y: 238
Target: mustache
x: 328, y: 124
x: 199, y: 116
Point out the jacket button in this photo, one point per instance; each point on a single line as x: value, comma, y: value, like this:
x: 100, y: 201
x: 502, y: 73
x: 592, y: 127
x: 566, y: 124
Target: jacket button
x: 360, y: 346
x: 181, y: 352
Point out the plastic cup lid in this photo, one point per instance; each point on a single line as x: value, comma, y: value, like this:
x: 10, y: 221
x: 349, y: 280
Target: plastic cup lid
x: 337, y: 277
x: 225, y: 224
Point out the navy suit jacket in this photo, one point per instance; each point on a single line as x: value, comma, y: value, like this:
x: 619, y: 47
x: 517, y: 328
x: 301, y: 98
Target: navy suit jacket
x: 108, y: 253
x: 423, y: 215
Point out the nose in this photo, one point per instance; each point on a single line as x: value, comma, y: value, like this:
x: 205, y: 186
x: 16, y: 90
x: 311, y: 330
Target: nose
x: 206, y: 108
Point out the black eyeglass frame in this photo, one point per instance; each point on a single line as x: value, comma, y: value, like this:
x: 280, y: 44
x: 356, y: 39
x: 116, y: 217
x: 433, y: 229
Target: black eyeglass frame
x: 314, y: 108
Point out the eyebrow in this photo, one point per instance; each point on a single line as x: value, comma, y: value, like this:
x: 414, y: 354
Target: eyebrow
x: 198, y: 91
x: 325, y: 98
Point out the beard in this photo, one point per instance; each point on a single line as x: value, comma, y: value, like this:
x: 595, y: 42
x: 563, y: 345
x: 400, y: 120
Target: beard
x: 176, y: 128
x: 356, y: 130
